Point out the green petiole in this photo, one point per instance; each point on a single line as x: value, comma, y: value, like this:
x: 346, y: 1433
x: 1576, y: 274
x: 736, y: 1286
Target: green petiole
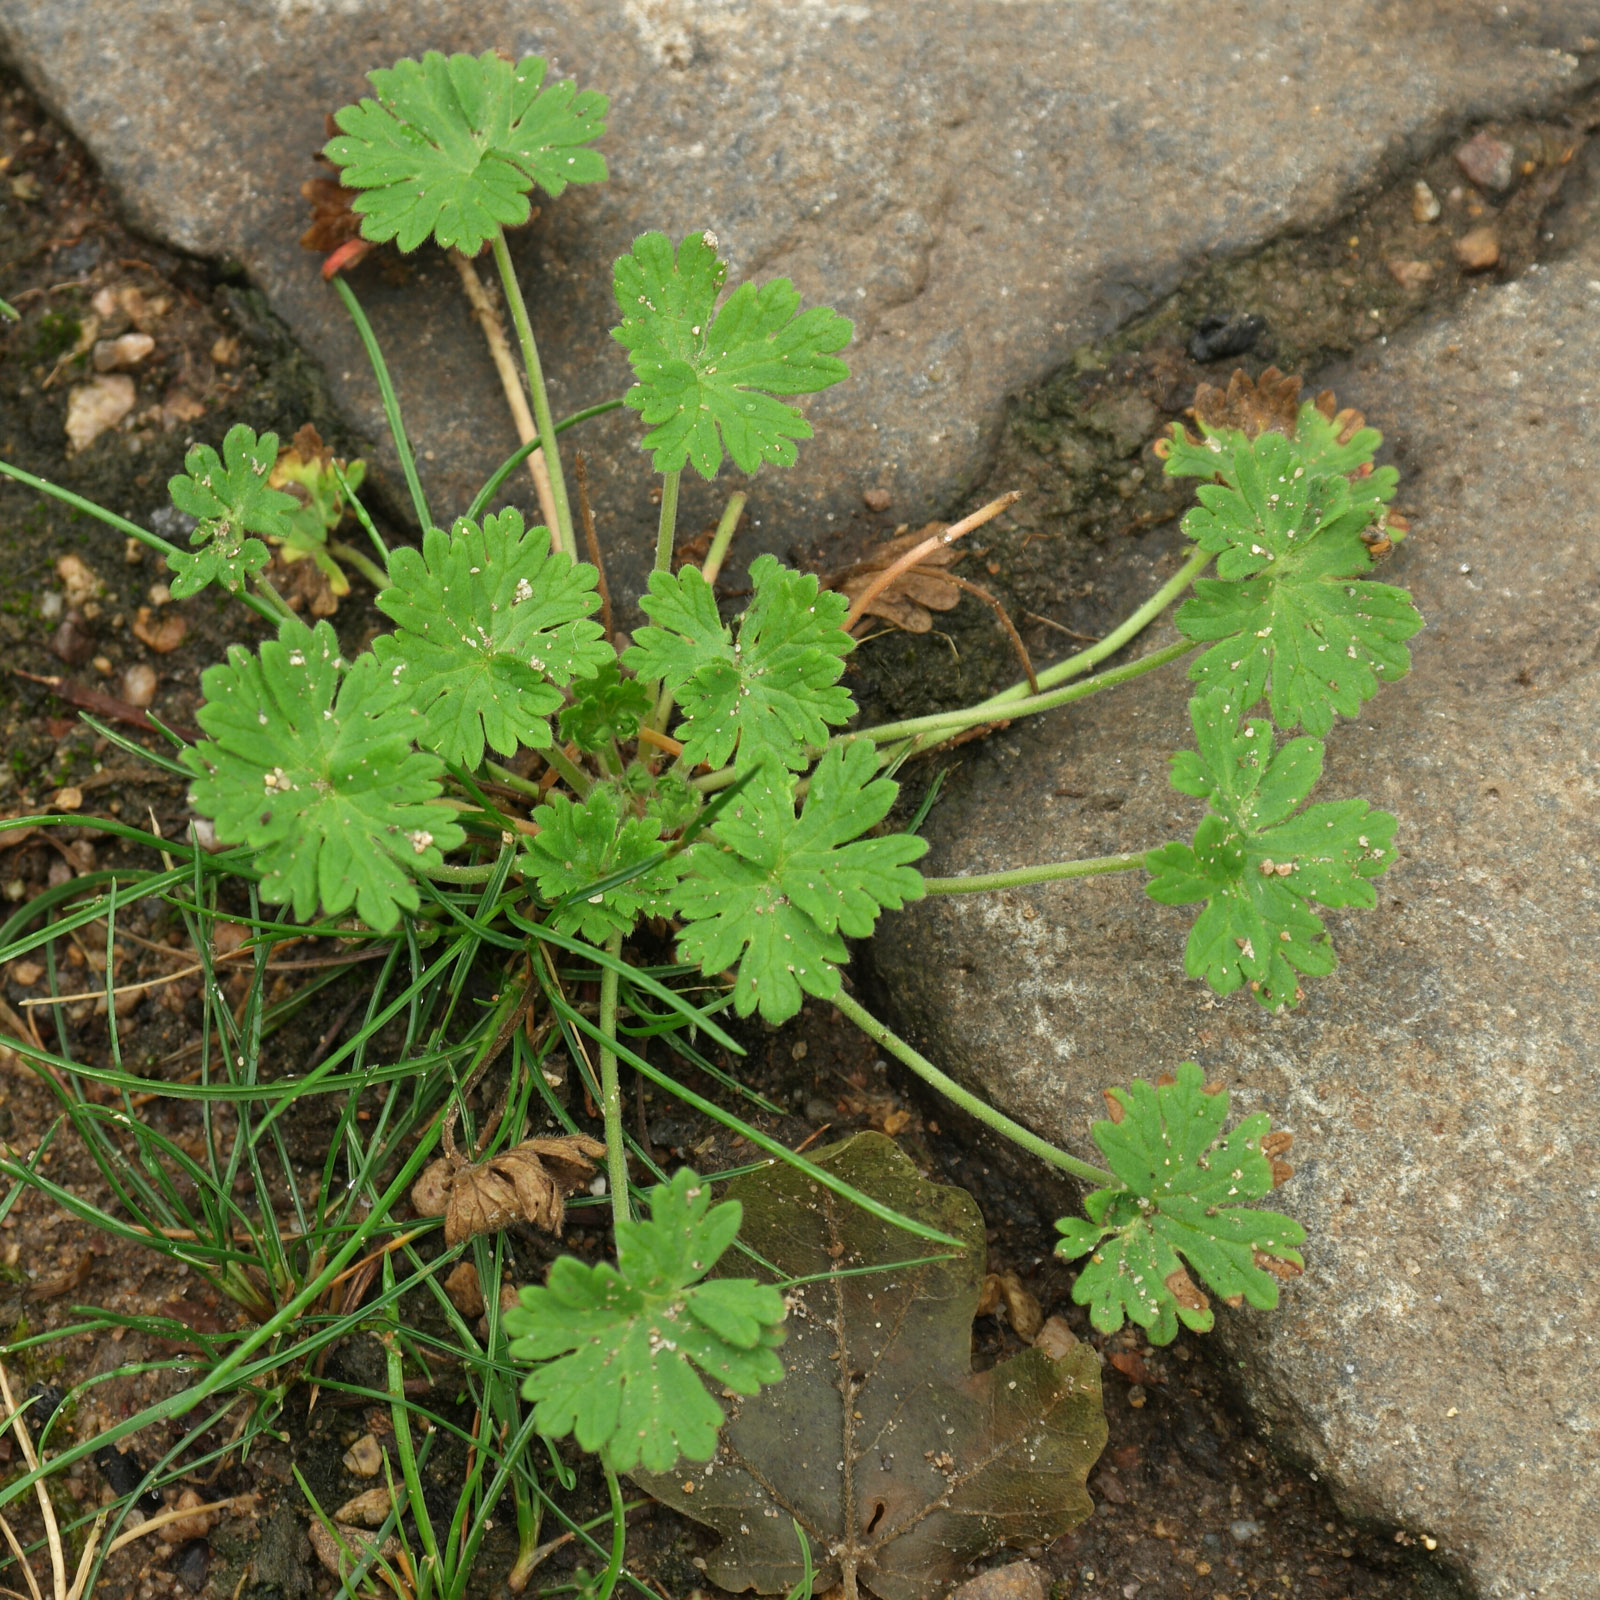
x: 887, y: 1039
x: 565, y: 538
x: 1050, y: 872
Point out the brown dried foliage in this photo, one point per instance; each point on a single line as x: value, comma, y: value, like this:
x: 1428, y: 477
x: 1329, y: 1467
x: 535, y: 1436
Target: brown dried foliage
x: 529, y: 1183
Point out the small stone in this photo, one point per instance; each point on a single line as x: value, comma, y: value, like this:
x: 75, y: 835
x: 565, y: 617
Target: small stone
x: 78, y: 578
x: 159, y: 594
x: 1489, y: 162
x: 111, y: 354
x: 74, y: 641
x: 138, y: 684
x: 225, y: 350
x: 1411, y: 274
x: 466, y: 1293
x: 877, y: 499
x: 51, y: 605
x: 102, y: 665
x: 192, y: 1563
x: 95, y: 406
x: 161, y: 634
x: 1244, y: 1530
x: 194, y: 1526
x: 365, y: 1457
x: 27, y: 973
x: 362, y: 1547
x: 1478, y: 250
x: 1021, y: 1580
x: 132, y: 551
x: 1425, y: 205
x: 68, y: 799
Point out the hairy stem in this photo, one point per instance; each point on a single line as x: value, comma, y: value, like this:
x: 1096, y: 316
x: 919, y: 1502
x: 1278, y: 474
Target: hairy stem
x: 667, y: 527
x: 888, y: 1040
x: 391, y: 402
x: 611, y: 1098
x: 494, y: 334
x: 577, y: 779
x: 566, y: 540
x: 1050, y: 872
x: 726, y: 528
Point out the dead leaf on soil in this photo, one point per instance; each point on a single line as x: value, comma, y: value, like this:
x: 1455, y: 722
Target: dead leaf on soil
x: 910, y: 599
x: 529, y: 1183
x: 900, y: 1462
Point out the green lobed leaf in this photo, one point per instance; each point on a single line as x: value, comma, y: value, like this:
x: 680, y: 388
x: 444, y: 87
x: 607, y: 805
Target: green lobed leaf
x: 452, y: 145
x: 311, y: 762
x: 581, y: 843
x: 1286, y: 616
x: 489, y: 620
x: 616, y: 1347
x: 706, y: 378
x: 230, y: 496
x: 1258, y: 865
x: 772, y: 693
x: 777, y: 894
x: 1174, y: 1205
x: 604, y: 707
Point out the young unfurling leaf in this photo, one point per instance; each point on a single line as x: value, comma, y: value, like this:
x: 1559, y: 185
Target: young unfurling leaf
x: 452, y: 145
x: 617, y: 1347
x: 706, y: 378
x: 1179, y: 1179
x: 581, y: 843
x: 1258, y: 865
x: 489, y: 619
x: 776, y: 893
x: 233, y: 501
x: 772, y: 693
x: 604, y: 707
x: 1288, y: 615
x: 311, y: 762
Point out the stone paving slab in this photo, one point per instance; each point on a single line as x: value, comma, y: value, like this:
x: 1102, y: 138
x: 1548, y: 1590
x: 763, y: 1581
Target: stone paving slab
x: 1440, y: 1360
x: 981, y: 186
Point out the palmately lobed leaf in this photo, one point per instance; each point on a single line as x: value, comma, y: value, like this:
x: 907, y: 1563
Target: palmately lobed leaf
x: 616, y: 1348
x: 579, y: 844
x: 1257, y: 862
x: 311, y: 762
x: 706, y: 378
x: 1286, y: 617
x: 451, y: 145
x: 490, y: 621
x: 232, y: 500
x: 1175, y: 1211
x: 777, y: 894
x: 772, y: 694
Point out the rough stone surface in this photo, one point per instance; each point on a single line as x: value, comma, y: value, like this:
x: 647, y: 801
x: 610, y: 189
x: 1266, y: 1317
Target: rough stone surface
x: 1440, y: 1360
x: 1020, y: 1580
x: 981, y: 187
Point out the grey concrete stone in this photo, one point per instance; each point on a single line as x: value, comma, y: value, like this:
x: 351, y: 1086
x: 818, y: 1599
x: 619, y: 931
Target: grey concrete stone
x: 1440, y: 1360
x: 981, y: 186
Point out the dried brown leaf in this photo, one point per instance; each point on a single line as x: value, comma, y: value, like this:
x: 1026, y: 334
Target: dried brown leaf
x: 1270, y: 403
x: 528, y: 1183
x: 909, y: 601
x: 901, y: 1463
